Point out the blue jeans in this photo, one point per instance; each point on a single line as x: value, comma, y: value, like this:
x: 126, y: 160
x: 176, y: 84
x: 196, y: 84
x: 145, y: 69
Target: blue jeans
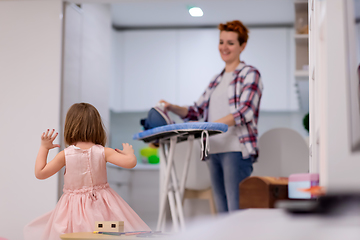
x: 227, y: 170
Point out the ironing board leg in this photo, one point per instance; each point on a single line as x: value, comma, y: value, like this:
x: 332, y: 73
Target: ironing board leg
x: 186, y: 165
x: 162, y: 215
x: 173, y: 211
x: 178, y: 198
x: 168, y: 160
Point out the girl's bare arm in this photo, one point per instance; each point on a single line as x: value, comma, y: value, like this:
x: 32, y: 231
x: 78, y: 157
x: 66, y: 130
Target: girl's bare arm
x: 123, y: 158
x: 43, y: 169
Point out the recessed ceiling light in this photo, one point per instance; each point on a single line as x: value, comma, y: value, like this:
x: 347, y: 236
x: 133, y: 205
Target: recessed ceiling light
x: 196, y: 12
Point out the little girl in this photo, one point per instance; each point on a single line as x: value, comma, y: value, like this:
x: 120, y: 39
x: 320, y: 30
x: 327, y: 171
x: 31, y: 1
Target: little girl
x: 87, y: 196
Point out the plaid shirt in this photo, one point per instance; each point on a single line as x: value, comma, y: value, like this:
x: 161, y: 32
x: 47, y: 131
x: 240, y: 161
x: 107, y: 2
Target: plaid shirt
x: 244, y: 94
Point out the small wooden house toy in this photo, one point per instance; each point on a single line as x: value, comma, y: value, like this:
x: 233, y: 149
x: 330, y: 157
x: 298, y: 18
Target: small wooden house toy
x: 109, y: 226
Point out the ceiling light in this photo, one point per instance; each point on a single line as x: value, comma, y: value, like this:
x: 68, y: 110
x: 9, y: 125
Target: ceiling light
x: 196, y: 12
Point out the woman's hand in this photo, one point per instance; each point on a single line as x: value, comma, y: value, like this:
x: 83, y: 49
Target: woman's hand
x: 47, y: 139
x: 167, y: 105
x: 127, y: 149
x: 180, y: 111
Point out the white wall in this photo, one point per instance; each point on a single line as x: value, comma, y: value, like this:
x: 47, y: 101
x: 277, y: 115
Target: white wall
x: 30, y: 62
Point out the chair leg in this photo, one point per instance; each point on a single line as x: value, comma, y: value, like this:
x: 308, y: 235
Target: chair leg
x: 201, y: 194
x: 211, y: 202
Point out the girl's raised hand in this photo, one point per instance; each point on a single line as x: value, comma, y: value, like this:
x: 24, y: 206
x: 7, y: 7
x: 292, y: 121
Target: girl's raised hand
x: 123, y: 158
x: 127, y: 149
x: 47, y: 139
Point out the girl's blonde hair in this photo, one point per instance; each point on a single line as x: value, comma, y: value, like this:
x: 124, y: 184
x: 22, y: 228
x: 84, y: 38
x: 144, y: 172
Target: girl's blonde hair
x: 83, y: 124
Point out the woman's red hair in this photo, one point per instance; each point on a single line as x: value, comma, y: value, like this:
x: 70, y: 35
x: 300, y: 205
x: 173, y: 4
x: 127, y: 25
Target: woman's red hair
x: 238, y: 27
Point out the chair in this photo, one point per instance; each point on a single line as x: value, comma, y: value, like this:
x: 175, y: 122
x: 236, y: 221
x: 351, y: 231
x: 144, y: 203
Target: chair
x: 282, y: 152
x: 198, y: 184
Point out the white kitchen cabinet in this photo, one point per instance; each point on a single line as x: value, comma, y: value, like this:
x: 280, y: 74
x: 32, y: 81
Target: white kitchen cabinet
x: 269, y: 50
x: 199, y: 61
x: 150, y: 68
x: 139, y: 187
x: 177, y: 65
x: 119, y: 180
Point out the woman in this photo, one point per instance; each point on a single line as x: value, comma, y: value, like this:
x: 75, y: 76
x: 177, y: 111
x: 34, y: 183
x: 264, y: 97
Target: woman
x: 232, y: 97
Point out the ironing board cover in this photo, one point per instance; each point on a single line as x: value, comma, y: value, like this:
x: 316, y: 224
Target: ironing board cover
x: 183, y: 130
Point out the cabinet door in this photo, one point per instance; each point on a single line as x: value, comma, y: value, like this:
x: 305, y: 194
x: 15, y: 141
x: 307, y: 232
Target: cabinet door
x: 150, y: 68
x: 269, y: 51
x: 144, y: 194
x: 199, y: 61
x: 119, y: 180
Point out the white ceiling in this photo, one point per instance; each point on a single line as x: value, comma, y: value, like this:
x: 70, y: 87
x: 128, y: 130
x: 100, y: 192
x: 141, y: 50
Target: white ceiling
x: 155, y: 13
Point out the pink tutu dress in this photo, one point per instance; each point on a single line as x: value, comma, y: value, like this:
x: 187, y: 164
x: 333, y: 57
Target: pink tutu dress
x: 87, y: 198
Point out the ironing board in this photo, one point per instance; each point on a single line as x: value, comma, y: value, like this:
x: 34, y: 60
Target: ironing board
x: 170, y: 188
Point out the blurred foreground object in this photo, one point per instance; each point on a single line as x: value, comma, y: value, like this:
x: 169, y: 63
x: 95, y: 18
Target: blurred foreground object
x: 302, y: 181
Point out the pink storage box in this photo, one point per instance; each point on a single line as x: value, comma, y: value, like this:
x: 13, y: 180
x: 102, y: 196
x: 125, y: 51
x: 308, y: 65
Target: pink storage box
x: 302, y: 181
